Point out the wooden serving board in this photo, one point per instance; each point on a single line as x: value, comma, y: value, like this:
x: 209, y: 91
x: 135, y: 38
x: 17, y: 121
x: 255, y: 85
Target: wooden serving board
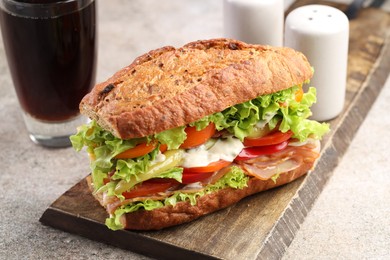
x: 263, y: 225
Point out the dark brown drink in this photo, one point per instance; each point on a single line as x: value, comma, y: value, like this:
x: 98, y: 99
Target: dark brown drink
x: 52, y: 59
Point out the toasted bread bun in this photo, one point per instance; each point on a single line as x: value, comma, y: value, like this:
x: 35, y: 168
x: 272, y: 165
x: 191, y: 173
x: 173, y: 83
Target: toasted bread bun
x: 170, y: 87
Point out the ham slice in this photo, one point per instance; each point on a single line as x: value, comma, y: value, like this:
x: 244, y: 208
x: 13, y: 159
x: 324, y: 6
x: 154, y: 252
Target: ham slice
x: 267, y: 166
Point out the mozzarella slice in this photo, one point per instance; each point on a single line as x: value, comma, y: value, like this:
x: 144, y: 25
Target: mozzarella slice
x: 223, y: 149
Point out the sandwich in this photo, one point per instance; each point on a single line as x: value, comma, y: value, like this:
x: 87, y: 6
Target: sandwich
x: 184, y: 132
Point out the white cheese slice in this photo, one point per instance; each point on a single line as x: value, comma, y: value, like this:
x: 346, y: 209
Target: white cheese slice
x: 223, y: 149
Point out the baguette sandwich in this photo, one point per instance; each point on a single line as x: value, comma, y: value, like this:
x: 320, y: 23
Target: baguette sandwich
x: 183, y: 132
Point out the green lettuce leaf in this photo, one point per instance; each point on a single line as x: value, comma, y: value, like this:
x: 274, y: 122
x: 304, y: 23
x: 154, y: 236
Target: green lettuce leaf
x: 270, y: 109
x: 174, y: 173
x: 294, y: 118
x: 102, y: 147
x: 126, y: 168
x: 173, y: 138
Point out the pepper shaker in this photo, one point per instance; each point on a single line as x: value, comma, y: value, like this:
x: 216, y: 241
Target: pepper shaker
x: 254, y: 21
x: 322, y: 33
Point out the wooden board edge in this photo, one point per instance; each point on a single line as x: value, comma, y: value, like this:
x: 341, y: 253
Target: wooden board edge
x: 147, y: 246
x: 278, y: 239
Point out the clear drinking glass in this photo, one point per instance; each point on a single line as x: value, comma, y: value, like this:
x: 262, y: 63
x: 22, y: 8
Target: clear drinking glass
x: 51, y: 50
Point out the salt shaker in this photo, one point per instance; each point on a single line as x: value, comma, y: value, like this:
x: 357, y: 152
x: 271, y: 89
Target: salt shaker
x: 321, y: 33
x: 254, y: 21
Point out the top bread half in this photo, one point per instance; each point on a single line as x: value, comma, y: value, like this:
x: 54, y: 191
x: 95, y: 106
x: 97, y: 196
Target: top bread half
x: 171, y: 87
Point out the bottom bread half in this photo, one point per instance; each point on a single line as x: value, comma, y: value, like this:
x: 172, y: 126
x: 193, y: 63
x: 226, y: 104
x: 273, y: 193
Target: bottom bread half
x: 184, y: 212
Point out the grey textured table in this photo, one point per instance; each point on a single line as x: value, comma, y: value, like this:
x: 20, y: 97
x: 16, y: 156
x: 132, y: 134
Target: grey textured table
x: 351, y: 218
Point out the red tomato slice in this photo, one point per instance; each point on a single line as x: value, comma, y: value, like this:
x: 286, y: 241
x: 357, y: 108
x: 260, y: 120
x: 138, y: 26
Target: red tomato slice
x: 195, y: 174
x: 150, y: 187
x: 137, y: 151
x: 163, y: 148
x: 270, y: 139
x: 212, y: 167
x: 140, y: 150
x: 195, y: 138
x: 195, y: 177
x: 256, y: 151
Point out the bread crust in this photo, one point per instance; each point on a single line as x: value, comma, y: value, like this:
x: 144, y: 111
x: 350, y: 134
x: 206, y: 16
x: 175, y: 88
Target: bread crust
x: 171, y: 87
